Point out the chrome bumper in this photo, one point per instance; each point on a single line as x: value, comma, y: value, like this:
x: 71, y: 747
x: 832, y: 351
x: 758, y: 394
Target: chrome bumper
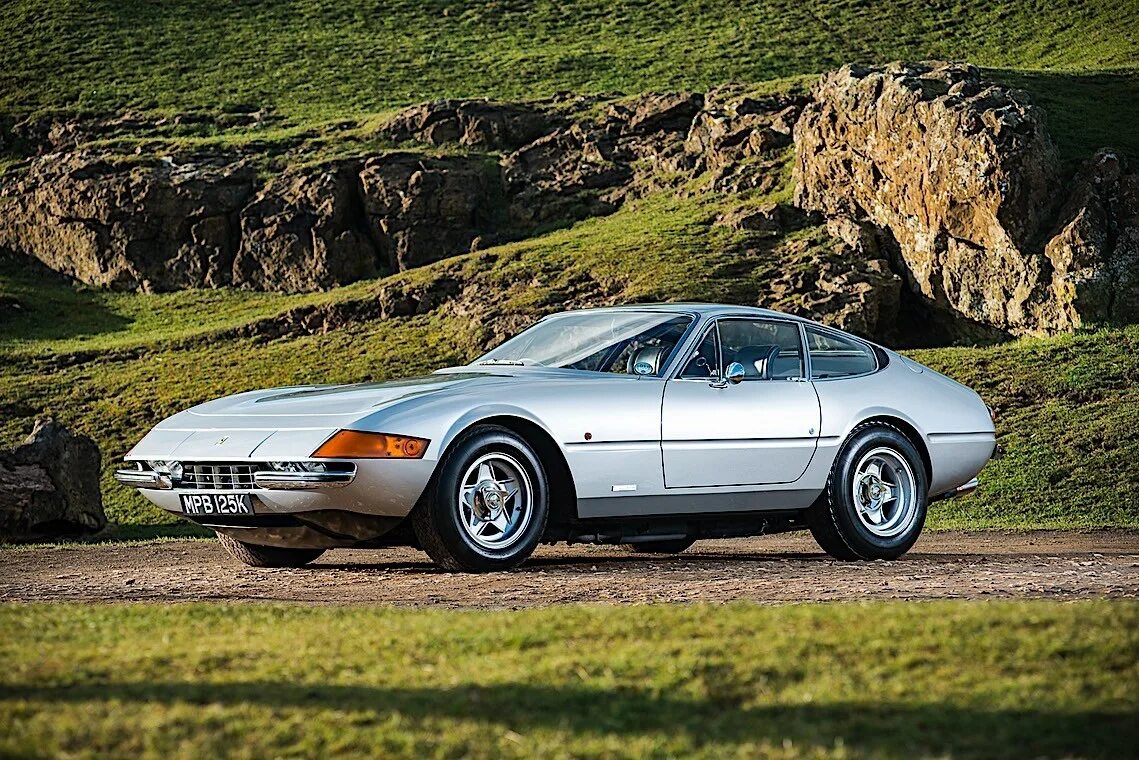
x: 266, y: 479
x: 961, y: 490
x: 301, y: 481
x: 144, y: 479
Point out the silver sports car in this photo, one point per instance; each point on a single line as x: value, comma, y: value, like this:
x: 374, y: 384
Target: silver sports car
x: 650, y: 426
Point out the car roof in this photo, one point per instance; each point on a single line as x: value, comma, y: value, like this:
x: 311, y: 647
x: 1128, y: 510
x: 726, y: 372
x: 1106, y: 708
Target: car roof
x: 709, y: 310
x: 702, y: 309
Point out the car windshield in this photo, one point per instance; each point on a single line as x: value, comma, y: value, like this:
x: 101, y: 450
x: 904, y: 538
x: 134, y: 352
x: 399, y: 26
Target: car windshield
x: 624, y: 342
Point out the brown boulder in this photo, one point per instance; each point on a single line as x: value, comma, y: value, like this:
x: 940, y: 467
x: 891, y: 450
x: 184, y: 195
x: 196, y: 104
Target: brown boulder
x: 49, y: 486
x: 158, y: 224
x: 474, y: 123
x: 304, y: 231
x: 1095, y: 249
x: 423, y: 209
x: 957, y: 180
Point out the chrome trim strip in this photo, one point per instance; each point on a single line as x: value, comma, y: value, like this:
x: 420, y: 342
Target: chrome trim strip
x: 301, y: 481
x: 143, y: 479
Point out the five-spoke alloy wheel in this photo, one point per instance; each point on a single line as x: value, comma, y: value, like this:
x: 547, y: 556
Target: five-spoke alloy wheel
x: 487, y: 506
x: 875, y: 503
x: 496, y: 500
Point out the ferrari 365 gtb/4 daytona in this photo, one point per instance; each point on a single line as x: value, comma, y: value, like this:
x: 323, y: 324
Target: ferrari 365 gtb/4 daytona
x: 649, y: 426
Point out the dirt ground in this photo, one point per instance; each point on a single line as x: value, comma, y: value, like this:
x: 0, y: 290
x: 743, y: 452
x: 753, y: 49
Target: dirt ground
x: 784, y: 568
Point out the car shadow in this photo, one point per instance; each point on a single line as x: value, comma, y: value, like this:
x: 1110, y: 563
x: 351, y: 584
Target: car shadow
x: 726, y: 715
x: 544, y: 563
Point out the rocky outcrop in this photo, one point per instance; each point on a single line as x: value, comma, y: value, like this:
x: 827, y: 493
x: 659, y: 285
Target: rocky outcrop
x: 303, y: 231
x: 421, y: 210
x: 154, y: 224
x: 472, y: 123
x: 657, y: 140
x: 957, y: 183
x: 186, y: 222
x: 49, y: 486
x: 942, y: 190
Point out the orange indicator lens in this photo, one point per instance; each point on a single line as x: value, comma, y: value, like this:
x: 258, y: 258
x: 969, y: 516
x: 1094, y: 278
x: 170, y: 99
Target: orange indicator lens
x: 352, y: 444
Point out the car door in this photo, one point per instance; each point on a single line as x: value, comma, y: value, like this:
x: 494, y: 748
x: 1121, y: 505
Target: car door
x: 762, y: 430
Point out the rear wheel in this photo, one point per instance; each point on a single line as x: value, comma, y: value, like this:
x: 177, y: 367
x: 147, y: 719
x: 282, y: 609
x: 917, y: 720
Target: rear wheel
x: 267, y: 556
x: 876, y: 498
x: 486, y: 509
x: 670, y: 546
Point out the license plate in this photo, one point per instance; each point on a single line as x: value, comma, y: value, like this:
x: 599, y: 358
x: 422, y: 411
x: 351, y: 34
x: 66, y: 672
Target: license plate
x: 216, y: 504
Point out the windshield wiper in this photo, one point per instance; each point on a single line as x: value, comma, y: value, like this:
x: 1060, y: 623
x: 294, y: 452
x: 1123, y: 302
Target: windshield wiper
x: 524, y: 362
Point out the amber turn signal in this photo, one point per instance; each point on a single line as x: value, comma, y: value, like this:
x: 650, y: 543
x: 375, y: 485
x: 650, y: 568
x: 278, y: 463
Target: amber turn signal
x: 353, y: 444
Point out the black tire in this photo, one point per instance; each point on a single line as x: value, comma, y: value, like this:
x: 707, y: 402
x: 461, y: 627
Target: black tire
x: 436, y: 519
x: 670, y: 546
x: 833, y: 519
x: 267, y: 556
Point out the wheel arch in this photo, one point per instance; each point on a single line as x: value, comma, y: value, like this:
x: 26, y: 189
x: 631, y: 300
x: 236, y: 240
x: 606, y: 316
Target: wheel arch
x: 907, y: 429
x: 563, y: 492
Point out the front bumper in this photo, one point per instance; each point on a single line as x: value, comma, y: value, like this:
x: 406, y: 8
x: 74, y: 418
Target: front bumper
x: 267, y: 479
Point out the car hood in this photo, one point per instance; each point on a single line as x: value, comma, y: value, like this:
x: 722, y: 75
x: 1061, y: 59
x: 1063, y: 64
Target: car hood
x: 334, y: 400
x: 284, y: 423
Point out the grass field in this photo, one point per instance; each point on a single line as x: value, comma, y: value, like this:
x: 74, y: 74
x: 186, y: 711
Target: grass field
x: 834, y: 681
x: 313, y: 59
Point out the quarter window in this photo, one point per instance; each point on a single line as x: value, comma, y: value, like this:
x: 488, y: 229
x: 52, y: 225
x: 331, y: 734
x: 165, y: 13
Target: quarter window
x: 833, y: 355
x: 767, y: 349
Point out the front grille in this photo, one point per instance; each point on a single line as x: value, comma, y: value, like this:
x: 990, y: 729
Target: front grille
x: 224, y: 476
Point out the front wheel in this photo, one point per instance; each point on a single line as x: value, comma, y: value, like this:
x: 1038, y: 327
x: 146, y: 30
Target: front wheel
x: 876, y: 498
x: 267, y: 556
x: 487, y: 507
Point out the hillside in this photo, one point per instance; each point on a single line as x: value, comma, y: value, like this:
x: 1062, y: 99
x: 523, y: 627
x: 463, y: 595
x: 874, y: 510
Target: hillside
x: 111, y: 364
x: 314, y: 60
x: 288, y: 90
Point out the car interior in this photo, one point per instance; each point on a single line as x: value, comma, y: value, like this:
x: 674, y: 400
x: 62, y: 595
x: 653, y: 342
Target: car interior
x: 768, y: 350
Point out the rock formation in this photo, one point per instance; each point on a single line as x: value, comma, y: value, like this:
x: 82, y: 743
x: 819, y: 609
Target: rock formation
x: 153, y: 224
x: 49, y: 486
x: 957, y: 183
x: 183, y: 221
x: 472, y: 123
x: 944, y: 193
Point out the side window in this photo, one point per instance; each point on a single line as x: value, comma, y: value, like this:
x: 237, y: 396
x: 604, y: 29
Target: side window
x: 704, y: 361
x: 833, y: 355
x: 767, y: 349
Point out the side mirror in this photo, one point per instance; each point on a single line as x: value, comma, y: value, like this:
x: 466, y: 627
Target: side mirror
x: 734, y: 373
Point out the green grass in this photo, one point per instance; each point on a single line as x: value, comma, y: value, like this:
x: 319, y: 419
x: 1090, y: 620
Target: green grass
x: 1034, y: 679
x: 322, y: 60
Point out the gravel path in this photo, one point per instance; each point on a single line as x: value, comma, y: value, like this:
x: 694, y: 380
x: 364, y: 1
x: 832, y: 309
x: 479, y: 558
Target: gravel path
x: 1060, y: 565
